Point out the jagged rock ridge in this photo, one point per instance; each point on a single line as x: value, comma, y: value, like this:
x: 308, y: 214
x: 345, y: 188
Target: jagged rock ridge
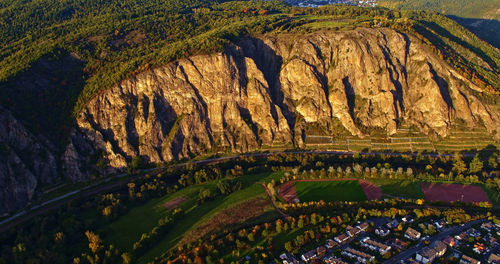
x: 264, y: 91
x: 258, y: 92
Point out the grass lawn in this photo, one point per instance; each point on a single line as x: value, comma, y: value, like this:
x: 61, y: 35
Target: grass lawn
x: 141, y: 219
x: 400, y: 188
x: 330, y: 191
x: 127, y: 229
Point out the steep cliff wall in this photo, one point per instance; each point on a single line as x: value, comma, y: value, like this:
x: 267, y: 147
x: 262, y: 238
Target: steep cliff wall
x: 26, y: 162
x: 266, y: 90
x: 258, y: 92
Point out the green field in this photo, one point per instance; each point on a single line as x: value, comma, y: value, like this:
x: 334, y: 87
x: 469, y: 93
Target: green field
x: 330, y: 191
x: 400, y: 188
x: 129, y: 228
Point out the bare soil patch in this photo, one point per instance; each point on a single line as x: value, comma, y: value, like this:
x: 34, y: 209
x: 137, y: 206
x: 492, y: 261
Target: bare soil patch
x: 234, y: 215
x: 174, y: 203
x: 454, y: 192
x: 288, y: 193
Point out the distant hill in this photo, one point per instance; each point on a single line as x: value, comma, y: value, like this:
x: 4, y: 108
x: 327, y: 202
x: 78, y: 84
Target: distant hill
x: 482, y: 17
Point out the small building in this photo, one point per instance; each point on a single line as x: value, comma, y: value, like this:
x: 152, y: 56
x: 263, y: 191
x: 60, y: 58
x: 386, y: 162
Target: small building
x: 491, y: 241
x: 487, y: 226
x: 473, y: 233
x: 333, y: 260
x: 352, y: 231
x: 288, y: 258
x: 461, y: 236
x: 426, y: 255
x: 375, y: 246
x: 309, y: 255
x: 407, y: 219
x: 468, y: 260
x: 479, y: 248
x: 494, y: 259
x: 363, y: 227
x: 439, y: 247
x: 382, y: 231
x: 341, y: 238
x: 449, y: 241
x: 400, y: 244
x: 330, y: 243
x: 439, y: 224
x: 412, y: 234
x: 320, y: 251
x: 392, y: 224
x: 357, y: 255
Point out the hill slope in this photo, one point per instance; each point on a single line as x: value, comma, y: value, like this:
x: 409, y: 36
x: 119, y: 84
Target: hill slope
x: 481, y: 17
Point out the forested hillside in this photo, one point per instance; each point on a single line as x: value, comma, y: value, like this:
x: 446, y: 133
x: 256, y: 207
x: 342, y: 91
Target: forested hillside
x: 481, y: 17
x: 109, y: 41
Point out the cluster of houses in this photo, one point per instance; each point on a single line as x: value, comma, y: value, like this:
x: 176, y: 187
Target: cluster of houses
x: 320, y: 252
x: 481, y: 243
x: 367, y: 248
x: 317, y: 3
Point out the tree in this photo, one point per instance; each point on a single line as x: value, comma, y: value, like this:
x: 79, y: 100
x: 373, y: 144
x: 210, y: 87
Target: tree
x: 458, y: 164
x: 288, y: 246
x: 126, y: 258
x: 476, y: 165
x: 136, y: 162
x: 95, y: 242
x: 492, y: 161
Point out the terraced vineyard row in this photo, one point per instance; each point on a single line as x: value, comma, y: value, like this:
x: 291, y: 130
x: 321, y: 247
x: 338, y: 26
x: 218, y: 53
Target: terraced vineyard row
x: 406, y: 140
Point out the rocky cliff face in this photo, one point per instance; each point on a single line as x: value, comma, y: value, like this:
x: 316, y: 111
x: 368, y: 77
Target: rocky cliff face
x: 258, y: 92
x: 265, y: 91
x: 26, y: 162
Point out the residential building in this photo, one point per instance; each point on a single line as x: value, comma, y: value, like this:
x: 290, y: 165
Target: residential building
x: 330, y: 243
x: 288, y: 258
x: 333, y: 260
x: 400, y: 244
x: 393, y: 224
x: 382, y: 231
x: 341, y: 238
x: 410, y: 261
x: 494, y: 259
x: 320, y: 251
x: 439, y: 224
x: 473, y: 233
x: 487, y: 226
x: 352, y: 231
x: 357, y: 255
x: 479, y: 248
x: 375, y: 246
x: 412, y: 234
x: 426, y: 255
x: 468, y: 260
x: 309, y: 255
x: 449, y: 241
x: 363, y: 227
x: 439, y: 247
x: 407, y: 219
x: 461, y: 236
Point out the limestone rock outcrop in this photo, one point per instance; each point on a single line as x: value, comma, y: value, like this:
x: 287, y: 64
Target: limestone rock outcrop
x: 265, y: 91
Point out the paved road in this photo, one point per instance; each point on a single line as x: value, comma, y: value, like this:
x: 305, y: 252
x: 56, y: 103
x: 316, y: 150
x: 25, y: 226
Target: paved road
x: 60, y: 200
x: 442, y: 235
